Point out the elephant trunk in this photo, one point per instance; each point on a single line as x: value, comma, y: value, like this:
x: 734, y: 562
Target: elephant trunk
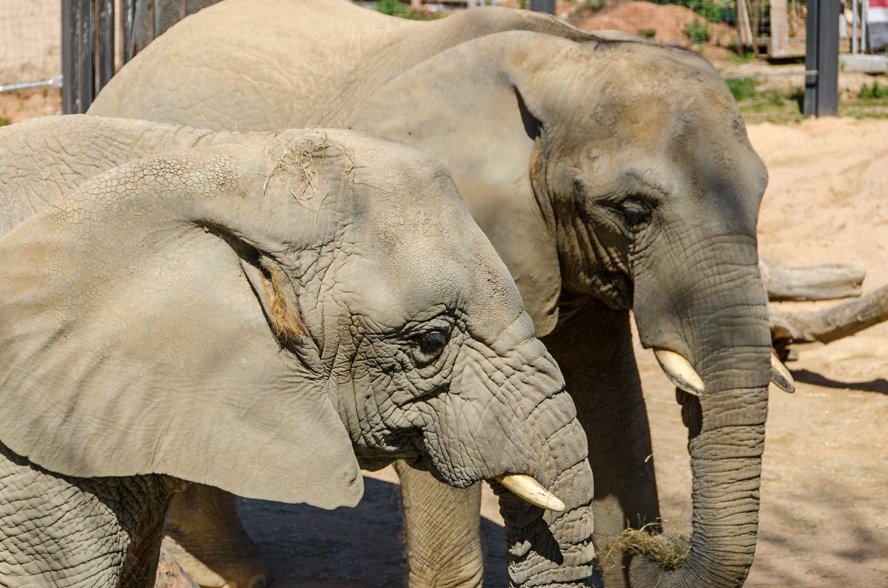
x: 724, y: 334
x: 548, y: 548
x: 537, y: 434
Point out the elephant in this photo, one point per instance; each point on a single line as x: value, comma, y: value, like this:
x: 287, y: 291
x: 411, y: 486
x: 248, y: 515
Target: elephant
x: 262, y: 313
x: 611, y: 175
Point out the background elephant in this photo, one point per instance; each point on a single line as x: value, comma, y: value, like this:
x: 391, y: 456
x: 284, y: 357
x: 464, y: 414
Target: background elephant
x: 608, y: 173
x: 253, y: 312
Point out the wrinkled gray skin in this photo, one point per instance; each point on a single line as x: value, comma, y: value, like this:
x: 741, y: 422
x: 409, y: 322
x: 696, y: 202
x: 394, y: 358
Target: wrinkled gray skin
x: 609, y: 174
x: 253, y: 312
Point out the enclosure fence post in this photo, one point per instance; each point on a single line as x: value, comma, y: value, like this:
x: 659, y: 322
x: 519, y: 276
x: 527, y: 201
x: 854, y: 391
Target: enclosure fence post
x: 547, y: 6
x: 77, y: 56
x: 105, y: 48
x: 855, y: 9
x: 822, y: 58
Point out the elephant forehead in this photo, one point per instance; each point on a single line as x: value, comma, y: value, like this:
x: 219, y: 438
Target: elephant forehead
x: 422, y: 277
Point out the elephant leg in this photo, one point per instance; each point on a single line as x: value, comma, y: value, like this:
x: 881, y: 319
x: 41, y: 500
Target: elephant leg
x: 594, y: 351
x: 442, y: 531
x: 170, y: 574
x: 204, y: 534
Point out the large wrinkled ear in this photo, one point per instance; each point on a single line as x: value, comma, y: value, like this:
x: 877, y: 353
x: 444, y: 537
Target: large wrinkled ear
x: 133, y: 340
x: 459, y: 107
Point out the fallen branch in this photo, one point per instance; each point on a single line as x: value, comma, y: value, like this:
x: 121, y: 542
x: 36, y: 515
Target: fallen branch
x: 818, y: 282
x: 833, y: 323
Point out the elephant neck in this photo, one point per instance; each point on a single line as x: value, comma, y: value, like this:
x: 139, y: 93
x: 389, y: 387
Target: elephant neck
x: 61, y: 531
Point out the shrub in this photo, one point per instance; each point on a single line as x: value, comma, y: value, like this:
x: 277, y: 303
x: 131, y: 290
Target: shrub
x: 697, y: 31
x: 742, y: 88
x: 874, y: 92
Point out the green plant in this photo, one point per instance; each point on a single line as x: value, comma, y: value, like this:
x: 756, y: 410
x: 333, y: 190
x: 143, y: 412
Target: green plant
x: 774, y: 98
x: 648, y: 33
x: 874, y: 92
x: 396, y: 8
x: 711, y: 10
x: 594, y: 5
x: 743, y: 57
x: 742, y: 88
x: 390, y: 7
x: 697, y: 31
x: 3, y: 122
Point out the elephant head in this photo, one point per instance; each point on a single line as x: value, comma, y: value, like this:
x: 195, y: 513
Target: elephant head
x: 265, y: 316
x: 621, y: 171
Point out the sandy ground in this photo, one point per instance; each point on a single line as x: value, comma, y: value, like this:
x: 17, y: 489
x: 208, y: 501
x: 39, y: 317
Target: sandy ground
x: 825, y: 481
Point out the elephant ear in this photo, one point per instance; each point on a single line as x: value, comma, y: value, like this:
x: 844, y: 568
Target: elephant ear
x: 146, y: 328
x: 467, y: 112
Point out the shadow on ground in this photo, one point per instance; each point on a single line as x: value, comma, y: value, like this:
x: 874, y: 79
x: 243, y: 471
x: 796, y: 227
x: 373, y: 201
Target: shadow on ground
x: 879, y: 385
x: 310, y: 547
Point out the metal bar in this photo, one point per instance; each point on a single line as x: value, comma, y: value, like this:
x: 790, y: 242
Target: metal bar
x: 76, y: 56
x: 828, y: 54
x: 69, y: 99
x: 85, y: 47
x: 822, y: 58
x: 129, y: 17
x: 158, y: 19
x: 547, y: 6
x: 149, y: 21
x: 105, y: 39
x: 855, y: 10
x: 863, y: 25
x: 53, y: 82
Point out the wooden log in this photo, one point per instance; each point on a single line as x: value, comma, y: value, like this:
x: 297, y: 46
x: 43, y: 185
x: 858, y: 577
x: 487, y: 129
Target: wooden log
x: 833, y: 323
x: 818, y: 282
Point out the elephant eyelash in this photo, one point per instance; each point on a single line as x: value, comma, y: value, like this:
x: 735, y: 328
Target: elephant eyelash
x: 634, y: 212
x: 427, y: 344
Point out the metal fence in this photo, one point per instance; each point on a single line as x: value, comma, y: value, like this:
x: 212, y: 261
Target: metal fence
x: 865, y: 23
x: 99, y: 36
x: 30, y: 46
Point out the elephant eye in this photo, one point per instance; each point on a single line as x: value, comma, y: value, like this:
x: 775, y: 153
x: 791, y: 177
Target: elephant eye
x: 635, y: 214
x: 427, y: 347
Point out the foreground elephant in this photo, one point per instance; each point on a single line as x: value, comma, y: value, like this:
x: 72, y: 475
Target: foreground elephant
x: 252, y: 312
x: 609, y: 174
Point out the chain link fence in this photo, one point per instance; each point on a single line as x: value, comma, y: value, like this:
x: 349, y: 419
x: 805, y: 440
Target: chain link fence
x: 30, y: 41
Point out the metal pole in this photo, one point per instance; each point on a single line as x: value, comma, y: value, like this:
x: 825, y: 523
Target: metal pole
x: 77, y: 56
x: 822, y: 58
x: 547, y: 6
x: 129, y: 17
x: 105, y: 39
x: 855, y: 10
x: 863, y: 24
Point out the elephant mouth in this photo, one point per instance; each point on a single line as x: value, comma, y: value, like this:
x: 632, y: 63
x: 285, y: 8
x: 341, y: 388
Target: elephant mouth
x: 405, y: 445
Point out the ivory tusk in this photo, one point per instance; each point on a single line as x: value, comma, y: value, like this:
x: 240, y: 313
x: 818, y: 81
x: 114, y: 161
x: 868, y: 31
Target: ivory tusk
x: 680, y: 371
x: 780, y: 375
x: 528, y: 489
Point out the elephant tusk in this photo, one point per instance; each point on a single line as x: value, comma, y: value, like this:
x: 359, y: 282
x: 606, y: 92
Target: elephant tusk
x: 528, y: 489
x: 780, y: 375
x: 680, y: 371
